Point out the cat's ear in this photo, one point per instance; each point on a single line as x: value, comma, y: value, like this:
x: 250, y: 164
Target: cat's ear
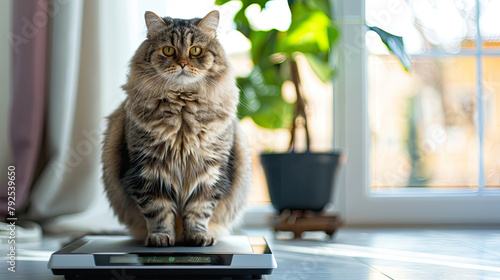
x: 210, y: 23
x: 153, y: 22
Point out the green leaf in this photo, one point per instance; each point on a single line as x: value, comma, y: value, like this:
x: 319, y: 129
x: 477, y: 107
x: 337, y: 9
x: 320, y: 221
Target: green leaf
x: 333, y: 34
x: 246, y: 3
x: 221, y: 2
x: 323, y: 5
x: 242, y: 23
x: 263, y: 101
x: 320, y: 68
x: 280, y: 116
x: 395, y: 45
x: 263, y: 46
x: 261, y: 3
x: 307, y: 33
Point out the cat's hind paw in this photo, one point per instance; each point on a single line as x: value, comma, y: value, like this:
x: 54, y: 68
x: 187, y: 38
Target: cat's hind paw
x: 160, y: 240
x: 200, y: 239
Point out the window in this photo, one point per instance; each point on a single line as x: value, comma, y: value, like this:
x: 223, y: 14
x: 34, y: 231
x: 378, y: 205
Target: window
x: 423, y: 146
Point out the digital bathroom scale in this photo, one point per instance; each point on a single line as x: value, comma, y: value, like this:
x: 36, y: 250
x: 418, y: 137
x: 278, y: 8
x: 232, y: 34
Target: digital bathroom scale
x: 100, y: 255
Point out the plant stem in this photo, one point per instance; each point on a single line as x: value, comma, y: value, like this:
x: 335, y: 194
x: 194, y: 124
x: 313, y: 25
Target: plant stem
x: 300, y: 106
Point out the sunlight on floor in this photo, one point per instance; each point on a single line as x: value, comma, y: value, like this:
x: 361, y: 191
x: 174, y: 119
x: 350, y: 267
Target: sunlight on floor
x: 342, y: 250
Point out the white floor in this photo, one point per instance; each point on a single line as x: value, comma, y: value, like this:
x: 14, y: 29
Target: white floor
x: 392, y: 254
x: 352, y: 254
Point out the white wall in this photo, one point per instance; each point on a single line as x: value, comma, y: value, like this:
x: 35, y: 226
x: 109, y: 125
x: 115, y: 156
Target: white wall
x: 5, y: 64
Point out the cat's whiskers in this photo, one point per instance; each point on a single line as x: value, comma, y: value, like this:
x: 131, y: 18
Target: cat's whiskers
x: 135, y: 73
x: 244, y: 104
x: 146, y: 87
x: 171, y: 70
x: 158, y: 90
x: 208, y: 82
x: 138, y: 95
x: 138, y: 88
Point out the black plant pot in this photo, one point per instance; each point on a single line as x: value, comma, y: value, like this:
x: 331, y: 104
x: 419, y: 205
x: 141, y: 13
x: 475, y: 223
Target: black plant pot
x: 301, y: 181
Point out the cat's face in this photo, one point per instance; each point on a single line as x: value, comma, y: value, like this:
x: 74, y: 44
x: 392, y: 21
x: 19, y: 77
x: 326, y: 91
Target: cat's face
x: 181, y: 59
x: 184, y: 51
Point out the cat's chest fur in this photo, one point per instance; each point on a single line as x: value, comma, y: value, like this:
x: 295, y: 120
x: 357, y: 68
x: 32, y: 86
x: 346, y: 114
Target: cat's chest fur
x: 188, y: 124
x: 182, y: 138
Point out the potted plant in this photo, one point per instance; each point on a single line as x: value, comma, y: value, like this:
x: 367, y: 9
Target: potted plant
x: 296, y: 181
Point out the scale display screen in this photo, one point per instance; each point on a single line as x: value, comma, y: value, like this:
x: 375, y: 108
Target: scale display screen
x: 161, y: 259
x: 142, y: 259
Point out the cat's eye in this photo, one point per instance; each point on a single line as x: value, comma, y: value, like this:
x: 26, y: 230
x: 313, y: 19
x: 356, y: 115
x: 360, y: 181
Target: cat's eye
x: 168, y: 51
x: 195, y: 51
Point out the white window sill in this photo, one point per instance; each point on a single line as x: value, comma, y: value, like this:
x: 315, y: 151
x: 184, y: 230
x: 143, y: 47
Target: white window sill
x: 258, y: 216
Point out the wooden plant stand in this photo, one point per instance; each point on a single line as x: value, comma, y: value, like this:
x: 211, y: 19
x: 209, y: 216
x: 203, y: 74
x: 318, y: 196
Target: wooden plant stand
x: 301, y: 221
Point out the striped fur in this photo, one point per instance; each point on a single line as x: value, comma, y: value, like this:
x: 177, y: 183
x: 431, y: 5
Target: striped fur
x: 176, y: 166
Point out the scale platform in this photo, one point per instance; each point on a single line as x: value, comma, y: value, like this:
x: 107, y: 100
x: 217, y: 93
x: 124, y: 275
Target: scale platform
x: 237, y: 257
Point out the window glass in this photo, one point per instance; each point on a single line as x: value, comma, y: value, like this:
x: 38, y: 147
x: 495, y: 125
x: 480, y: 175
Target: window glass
x: 423, y: 123
x: 491, y: 105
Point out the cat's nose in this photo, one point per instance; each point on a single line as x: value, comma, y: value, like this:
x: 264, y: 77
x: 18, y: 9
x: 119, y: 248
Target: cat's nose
x: 182, y: 63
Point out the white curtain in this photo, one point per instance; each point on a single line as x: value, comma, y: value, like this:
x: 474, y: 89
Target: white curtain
x: 88, y: 65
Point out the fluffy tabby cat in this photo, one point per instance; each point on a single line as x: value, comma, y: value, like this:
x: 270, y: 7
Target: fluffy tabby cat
x: 176, y: 166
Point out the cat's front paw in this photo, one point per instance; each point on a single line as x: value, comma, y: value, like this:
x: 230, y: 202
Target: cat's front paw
x: 200, y: 239
x: 160, y: 240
